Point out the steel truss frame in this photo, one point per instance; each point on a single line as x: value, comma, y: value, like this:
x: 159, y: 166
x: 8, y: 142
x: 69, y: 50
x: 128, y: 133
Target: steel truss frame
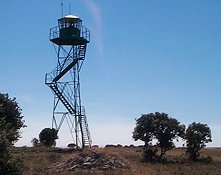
x: 67, y: 104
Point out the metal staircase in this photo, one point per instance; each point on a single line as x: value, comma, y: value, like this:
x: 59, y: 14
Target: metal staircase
x: 61, y: 97
x: 84, y: 128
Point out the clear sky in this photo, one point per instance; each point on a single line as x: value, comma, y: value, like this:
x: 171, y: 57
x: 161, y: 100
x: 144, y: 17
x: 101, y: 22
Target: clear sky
x: 144, y: 56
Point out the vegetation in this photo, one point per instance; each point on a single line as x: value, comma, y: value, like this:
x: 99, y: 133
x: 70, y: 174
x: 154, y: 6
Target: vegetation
x: 159, y: 127
x: 35, y: 142
x: 10, y: 112
x: 197, y: 135
x: 157, y: 130
x: 10, y: 124
x: 48, y: 136
x: 44, y: 160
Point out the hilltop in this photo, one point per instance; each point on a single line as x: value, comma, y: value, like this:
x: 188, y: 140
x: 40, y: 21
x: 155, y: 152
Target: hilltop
x: 113, y: 161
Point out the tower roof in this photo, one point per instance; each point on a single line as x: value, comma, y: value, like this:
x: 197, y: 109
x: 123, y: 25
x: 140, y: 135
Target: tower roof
x: 69, y: 19
x: 71, y: 16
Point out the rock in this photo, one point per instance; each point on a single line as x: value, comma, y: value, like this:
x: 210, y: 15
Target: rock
x: 87, y: 164
x: 87, y: 159
x: 106, y: 167
x: 73, y: 167
x: 92, y: 161
x: 112, y: 161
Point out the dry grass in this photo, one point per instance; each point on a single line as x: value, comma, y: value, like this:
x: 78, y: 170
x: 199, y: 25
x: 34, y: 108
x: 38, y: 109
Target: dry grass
x: 38, y: 161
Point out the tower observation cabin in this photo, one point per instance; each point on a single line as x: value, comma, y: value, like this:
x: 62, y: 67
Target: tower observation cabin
x: 69, y: 32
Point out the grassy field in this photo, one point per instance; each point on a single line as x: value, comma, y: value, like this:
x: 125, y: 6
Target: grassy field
x: 41, y: 160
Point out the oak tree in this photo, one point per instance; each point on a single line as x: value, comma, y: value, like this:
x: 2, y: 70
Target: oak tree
x: 197, y: 135
x: 159, y: 127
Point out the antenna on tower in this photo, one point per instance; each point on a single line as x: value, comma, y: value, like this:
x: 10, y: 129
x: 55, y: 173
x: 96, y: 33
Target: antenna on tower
x: 62, y: 9
x: 69, y: 8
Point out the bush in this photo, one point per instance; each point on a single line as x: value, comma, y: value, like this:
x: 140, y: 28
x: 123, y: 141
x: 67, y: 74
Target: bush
x: 35, y: 142
x: 48, y: 136
x: 197, y: 135
x: 150, y: 154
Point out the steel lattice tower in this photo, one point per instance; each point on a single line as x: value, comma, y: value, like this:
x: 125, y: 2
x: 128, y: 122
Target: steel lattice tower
x: 70, y: 40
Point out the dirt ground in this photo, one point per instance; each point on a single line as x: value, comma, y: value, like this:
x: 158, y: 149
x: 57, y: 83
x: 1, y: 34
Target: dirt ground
x: 45, y: 161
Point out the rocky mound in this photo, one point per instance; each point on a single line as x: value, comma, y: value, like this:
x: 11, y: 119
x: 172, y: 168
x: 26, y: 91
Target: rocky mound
x: 92, y: 161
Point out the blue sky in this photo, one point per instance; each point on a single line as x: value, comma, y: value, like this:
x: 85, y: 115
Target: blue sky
x: 144, y: 56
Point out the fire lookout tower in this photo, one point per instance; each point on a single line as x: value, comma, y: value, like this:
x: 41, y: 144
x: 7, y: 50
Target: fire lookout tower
x: 70, y: 40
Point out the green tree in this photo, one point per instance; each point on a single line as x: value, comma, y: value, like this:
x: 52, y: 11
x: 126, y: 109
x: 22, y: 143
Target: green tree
x: 10, y: 124
x: 11, y: 113
x: 48, y: 136
x: 197, y: 135
x: 159, y: 127
x: 35, y: 142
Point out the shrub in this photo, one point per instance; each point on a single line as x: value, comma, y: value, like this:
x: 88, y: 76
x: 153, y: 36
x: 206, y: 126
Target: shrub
x: 48, y: 136
x: 197, y: 135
